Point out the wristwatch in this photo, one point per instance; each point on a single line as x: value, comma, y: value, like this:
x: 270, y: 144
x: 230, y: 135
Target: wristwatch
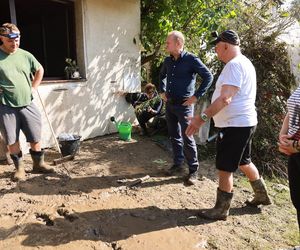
x: 204, y: 117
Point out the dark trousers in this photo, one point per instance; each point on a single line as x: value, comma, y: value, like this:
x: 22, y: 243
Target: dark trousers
x: 183, y: 146
x: 143, y: 118
x: 294, y: 182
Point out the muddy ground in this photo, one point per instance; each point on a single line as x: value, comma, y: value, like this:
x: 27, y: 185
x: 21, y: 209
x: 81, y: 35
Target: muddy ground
x: 87, y: 205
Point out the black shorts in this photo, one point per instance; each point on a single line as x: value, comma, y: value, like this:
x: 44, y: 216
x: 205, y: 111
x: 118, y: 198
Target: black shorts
x: 234, y: 147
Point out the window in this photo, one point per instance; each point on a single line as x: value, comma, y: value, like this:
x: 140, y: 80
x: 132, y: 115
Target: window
x: 47, y: 28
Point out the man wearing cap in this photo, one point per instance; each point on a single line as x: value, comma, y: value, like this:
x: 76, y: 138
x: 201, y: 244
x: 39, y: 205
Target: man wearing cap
x: 234, y: 113
x: 177, y: 87
x: 17, y: 111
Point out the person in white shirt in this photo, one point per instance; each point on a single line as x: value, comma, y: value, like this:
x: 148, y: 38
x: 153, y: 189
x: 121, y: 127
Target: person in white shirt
x: 234, y: 113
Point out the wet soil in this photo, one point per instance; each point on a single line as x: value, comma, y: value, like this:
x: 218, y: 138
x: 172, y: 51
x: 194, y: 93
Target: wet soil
x: 90, y: 203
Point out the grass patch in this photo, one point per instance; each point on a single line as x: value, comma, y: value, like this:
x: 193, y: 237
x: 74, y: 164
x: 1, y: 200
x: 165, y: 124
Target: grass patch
x: 242, y: 181
x: 281, y: 198
x: 292, y: 236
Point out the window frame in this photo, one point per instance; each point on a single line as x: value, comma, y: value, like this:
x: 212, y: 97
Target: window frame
x: 79, y: 40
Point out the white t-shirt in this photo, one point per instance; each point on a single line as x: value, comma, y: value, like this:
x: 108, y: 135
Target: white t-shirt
x: 241, y: 112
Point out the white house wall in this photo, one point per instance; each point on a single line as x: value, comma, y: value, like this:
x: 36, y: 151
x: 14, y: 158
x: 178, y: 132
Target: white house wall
x: 109, y: 59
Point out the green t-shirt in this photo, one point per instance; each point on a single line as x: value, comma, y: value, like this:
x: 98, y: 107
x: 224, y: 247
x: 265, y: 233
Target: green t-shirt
x: 15, y: 81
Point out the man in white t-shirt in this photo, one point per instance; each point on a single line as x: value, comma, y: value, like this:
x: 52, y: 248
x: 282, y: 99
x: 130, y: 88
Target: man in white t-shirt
x: 234, y: 113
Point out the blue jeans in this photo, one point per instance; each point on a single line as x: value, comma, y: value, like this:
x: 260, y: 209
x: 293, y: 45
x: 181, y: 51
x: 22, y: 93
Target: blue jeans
x: 183, y: 146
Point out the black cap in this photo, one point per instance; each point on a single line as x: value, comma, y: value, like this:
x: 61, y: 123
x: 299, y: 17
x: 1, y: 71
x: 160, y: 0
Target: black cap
x: 227, y: 36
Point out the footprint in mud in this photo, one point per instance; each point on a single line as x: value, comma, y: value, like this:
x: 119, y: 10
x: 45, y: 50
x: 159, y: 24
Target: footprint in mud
x: 48, y: 219
x: 66, y: 213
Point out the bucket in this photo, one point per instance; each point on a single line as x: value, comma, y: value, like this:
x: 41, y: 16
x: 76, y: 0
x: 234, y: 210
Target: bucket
x: 124, y: 129
x: 69, y: 146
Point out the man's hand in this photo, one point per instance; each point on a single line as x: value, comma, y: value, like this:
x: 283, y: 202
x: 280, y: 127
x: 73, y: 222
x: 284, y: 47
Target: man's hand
x: 285, y: 145
x: 152, y: 111
x: 190, y: 101
x: 285, y: 139
x: 195, y: 123
x: 120, y: 93
x: 38, y: 76
x: 287, y: 150
x: 282, y: 150
x: 164, y: 97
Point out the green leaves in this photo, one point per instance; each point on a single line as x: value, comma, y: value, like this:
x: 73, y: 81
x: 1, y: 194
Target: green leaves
x: 284, y: 14
x: 71, y: 65
x: 231, y: 14
x: 195, y: 18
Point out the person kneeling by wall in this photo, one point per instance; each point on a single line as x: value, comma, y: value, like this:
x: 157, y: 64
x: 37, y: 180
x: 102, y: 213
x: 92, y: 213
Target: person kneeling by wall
x: 150, y: 108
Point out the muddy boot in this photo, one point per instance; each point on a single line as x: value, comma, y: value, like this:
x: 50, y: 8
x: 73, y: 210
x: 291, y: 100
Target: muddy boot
x: 19, y: 175
x: 221, y: 209
x: 260, y: 193
x: 39, y: 165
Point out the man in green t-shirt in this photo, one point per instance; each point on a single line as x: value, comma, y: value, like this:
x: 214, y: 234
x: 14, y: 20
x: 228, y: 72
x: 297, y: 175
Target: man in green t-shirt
x: 20, y: 74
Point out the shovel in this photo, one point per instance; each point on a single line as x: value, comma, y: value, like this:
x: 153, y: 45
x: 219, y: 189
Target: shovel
x: 62, y: 158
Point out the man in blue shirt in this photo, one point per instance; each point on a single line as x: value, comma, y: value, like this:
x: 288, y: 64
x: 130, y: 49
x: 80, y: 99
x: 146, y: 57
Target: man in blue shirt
x: 177, y: 87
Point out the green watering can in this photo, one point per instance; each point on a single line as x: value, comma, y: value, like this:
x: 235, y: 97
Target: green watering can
x: 124, y: 129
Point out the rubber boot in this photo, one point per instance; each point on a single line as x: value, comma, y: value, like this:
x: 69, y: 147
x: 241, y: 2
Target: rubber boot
x: 221, y: 209
x: 39, y: 165
x: 19, y: 175
x: 260, y: 193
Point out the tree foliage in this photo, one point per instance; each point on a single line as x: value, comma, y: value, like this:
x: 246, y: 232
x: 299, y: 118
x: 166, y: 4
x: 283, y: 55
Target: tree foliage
x: 195, y: 18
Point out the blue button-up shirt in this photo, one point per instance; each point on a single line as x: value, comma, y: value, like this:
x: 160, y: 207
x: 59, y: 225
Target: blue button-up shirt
x: 178, y: 77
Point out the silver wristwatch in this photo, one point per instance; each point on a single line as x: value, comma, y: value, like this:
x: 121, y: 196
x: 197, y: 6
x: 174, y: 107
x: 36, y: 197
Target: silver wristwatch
x: 204, y: 117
